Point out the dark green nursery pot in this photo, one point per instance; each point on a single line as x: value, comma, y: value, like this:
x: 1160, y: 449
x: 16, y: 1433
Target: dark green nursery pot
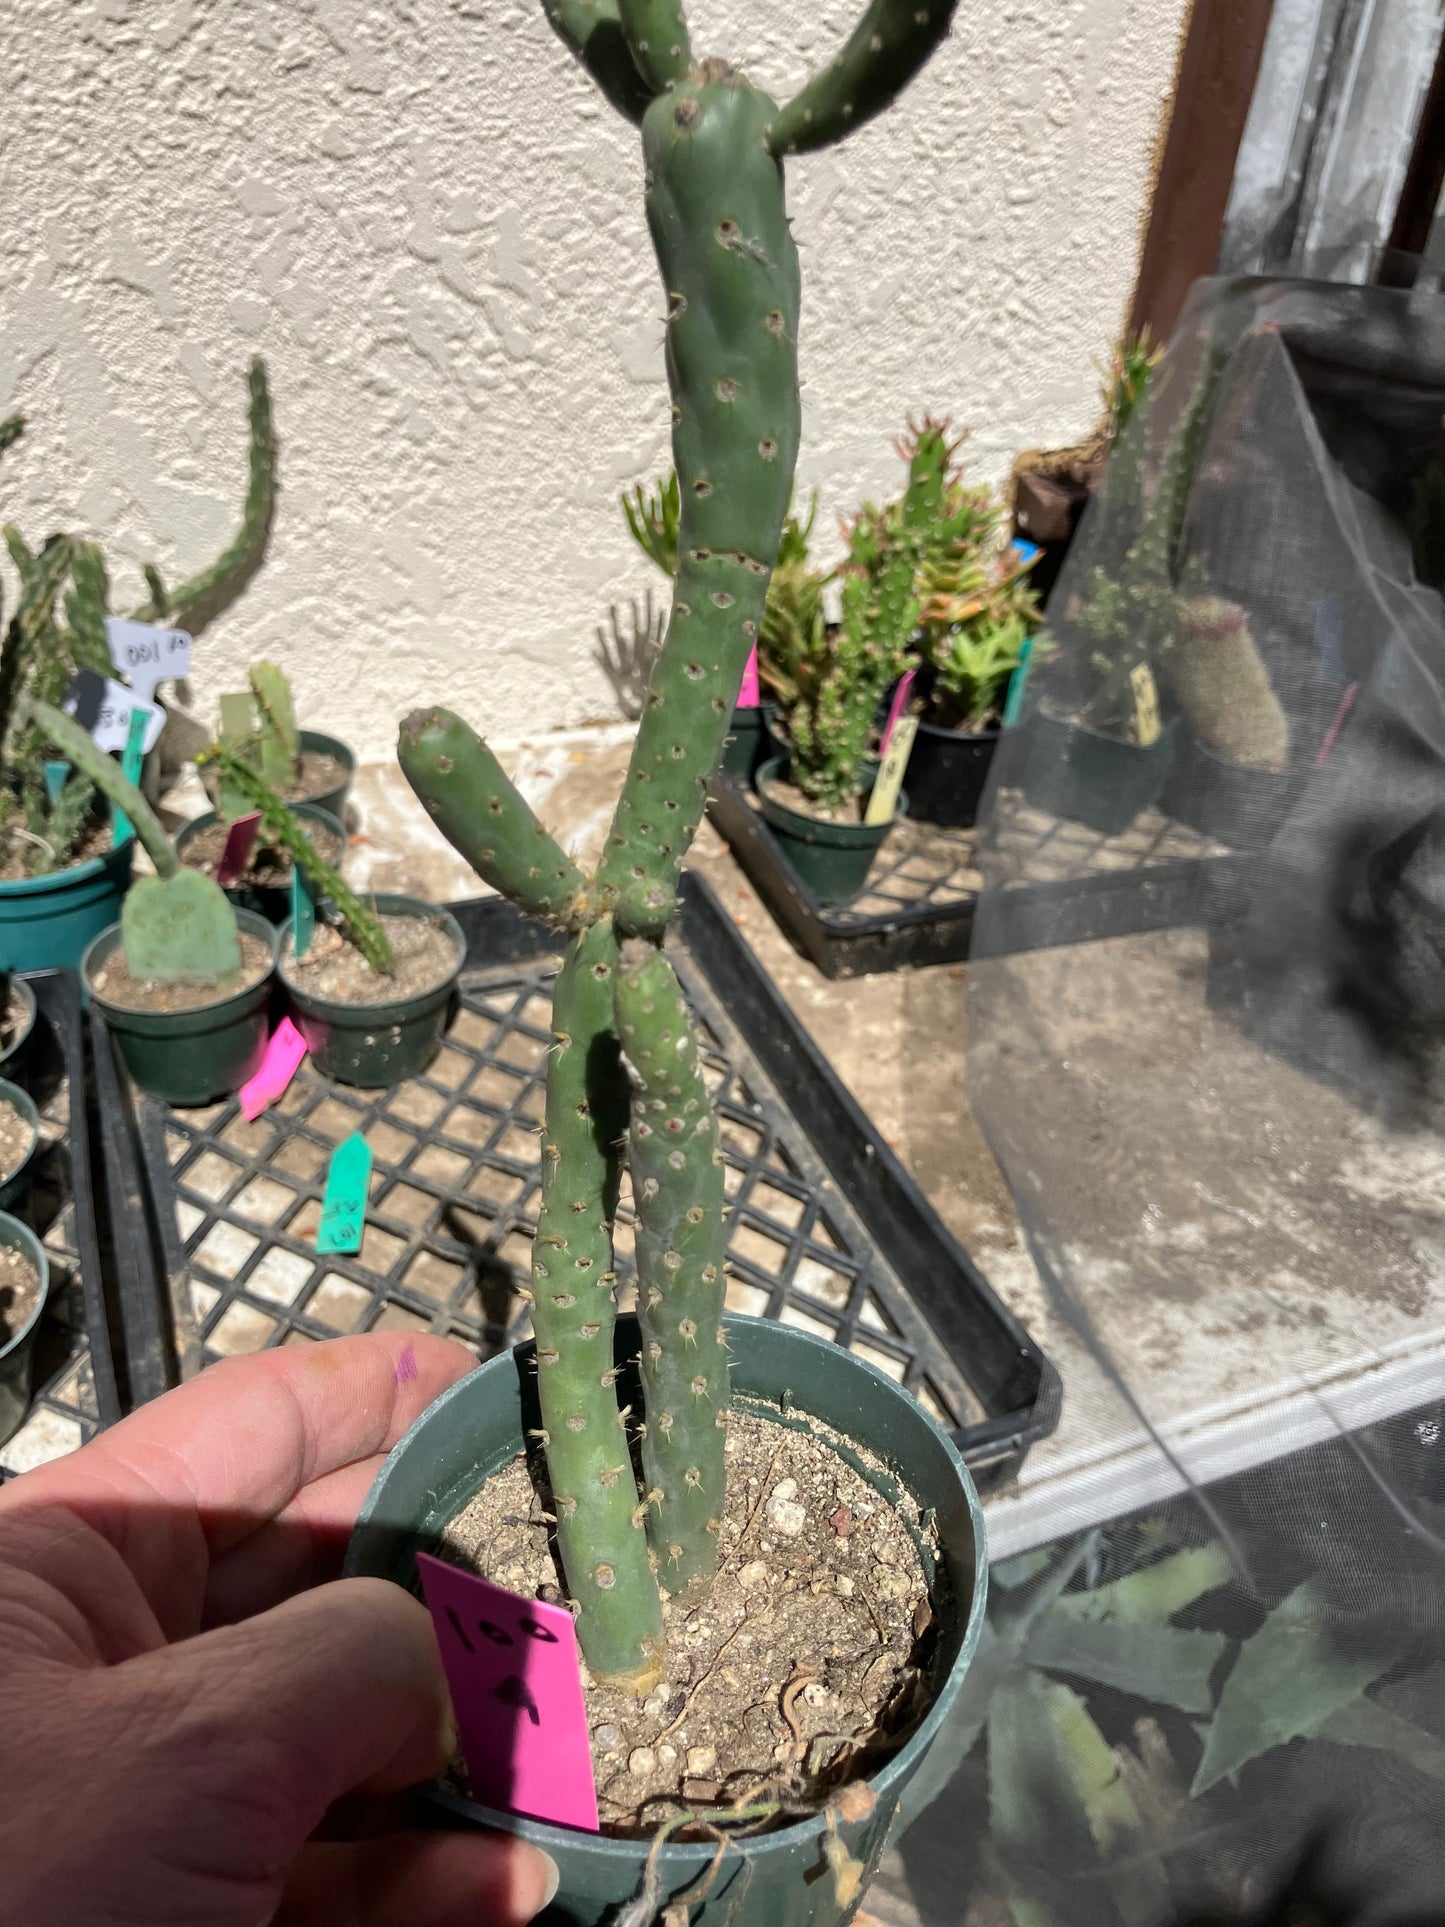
x: 13, y: 1054
x: 374, y: 1045
x: 833, y: 859
x: 272, y: 901
x: 332, y: 800
x: 17, y: 1353
x: 17, y: 1183
x: 190, y: 1056
x: 46, y: 922
x: 779, y: 1879
x: 744, y: 742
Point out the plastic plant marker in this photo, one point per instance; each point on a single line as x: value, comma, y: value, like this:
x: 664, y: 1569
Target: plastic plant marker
x: 240, y: 841
x: 104, y: 708
x: 238, y: 716
x: 280, y: 1064
x: 343, y: 1208
x: 884, y: 797
x: 750, y: 696
x: 516, y: 1686
x: 1018, y: 682
x: 146, y: 654
x: 1146, y: 704
x: 303, y: 911
x: 899, y: 703
x: 130, y: 762
x: 55, y: 775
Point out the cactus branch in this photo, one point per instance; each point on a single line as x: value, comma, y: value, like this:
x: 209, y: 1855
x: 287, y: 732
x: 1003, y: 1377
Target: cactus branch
x: 592, y: 31
x: 657, y: 39
x: 880, y: 57
x: 604, y: 1548
x: 285, y: 832
x: 80, y: 748
x: 677, y: 1192
x: 472, y: 801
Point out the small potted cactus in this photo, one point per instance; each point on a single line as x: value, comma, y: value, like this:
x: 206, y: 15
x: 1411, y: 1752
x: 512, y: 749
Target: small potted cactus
x: 697, y: 1396
x: 62, y: 876
x: 258, y: 727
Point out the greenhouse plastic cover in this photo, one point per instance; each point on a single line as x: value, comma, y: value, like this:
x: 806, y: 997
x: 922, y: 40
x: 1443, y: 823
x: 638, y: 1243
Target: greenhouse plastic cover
x: 1220, y: 1666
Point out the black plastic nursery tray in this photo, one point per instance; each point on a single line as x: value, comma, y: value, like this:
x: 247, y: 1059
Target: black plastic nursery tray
x: 917, y: 907
x: 828, y: 1232
x: 76, y: 1385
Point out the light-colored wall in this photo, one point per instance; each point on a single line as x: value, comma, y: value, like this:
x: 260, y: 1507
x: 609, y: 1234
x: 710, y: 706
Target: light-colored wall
x: 430, y: 224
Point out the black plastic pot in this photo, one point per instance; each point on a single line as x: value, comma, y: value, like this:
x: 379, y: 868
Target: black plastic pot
x: 374, y: 1045
x: 833, y: 859
x: 332, y: 800
x: 15, y: 1186
x: 1088, y: 777
x: 779, y: 1879
x: 1240, y: 807
x: 272, y: 901
x: 13, y: 1054
x: 946, y: 774
x: 190, y: 1056
x: 744, y: 742
x: 18, y: 1354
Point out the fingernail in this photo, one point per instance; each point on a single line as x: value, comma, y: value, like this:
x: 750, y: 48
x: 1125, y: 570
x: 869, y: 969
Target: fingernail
x: 554, y: 1878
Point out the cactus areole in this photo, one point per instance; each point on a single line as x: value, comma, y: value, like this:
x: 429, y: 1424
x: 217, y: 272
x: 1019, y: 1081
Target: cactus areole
x: 623, y: 1046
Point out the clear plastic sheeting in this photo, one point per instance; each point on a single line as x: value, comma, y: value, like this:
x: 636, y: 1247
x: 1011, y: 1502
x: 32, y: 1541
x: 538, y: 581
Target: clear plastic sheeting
x: 1217, y: 1654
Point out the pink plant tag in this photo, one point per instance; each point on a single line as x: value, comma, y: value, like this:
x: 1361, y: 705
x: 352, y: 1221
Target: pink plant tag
x: 283, y: 1054
x: 750, y: 696
x: 898, y: 705
x: 240, y: 841
x: 517, y: 1693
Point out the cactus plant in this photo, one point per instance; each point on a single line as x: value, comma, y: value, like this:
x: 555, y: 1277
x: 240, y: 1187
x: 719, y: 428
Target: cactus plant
x: 258, y: 729
x: 712, y: 148
x: 58, y: 628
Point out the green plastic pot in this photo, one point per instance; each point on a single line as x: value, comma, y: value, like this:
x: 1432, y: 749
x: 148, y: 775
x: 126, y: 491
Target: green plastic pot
x: 374, y: 1045
x: 270, y: 901
x: 18, y: 1182
x: 833, y: 859
x: 334, y: 800
x: 14, y: 1053
x: 744, y: 742
x: 17, y: 1356
x: 777, y: 1879
x: 190, y: 1056
x: 1090, y: 778
x: 46, y: 922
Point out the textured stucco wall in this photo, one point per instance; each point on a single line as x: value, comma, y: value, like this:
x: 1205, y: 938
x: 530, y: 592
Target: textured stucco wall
x: 423, y: 215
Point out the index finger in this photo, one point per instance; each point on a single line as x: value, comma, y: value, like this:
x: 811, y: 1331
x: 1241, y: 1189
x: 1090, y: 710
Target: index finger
x: 184, y: 1479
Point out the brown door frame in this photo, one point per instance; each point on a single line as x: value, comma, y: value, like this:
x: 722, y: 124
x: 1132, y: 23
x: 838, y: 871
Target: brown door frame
x: 1222, y: 46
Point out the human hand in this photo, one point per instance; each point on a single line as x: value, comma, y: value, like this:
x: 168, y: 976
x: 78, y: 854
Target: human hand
x: 178, y: 1713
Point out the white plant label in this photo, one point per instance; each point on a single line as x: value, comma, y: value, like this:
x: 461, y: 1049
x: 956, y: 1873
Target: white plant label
x: 147, y: 655
x: 112, y: 723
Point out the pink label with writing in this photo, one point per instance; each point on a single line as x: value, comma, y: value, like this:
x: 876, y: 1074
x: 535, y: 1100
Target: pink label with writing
x: 283, y: 1054
x: 750, y: 696
x: 516, y: 1687
x: 240, y: 841
x: 898, y: 705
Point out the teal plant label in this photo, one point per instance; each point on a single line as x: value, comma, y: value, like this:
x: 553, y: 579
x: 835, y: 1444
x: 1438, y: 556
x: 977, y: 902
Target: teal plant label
x: 303, y: 911
x: 131, y: 759
x: 55, y: 775
x: 1018, y: 682
x: 343, y: 1208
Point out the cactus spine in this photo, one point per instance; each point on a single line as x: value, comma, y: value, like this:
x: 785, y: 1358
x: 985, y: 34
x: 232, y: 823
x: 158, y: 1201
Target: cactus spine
x: 715, y: 207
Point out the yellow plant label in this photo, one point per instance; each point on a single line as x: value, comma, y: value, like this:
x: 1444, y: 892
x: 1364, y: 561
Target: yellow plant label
x: 1146, y: 704
x: 889, y: 781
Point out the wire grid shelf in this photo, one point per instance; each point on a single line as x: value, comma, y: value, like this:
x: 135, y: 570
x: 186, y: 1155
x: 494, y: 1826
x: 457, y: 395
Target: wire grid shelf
x: 453, y: 1203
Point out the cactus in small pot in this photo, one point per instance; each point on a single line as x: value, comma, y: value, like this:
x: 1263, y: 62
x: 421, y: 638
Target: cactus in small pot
x: 623, y: 1046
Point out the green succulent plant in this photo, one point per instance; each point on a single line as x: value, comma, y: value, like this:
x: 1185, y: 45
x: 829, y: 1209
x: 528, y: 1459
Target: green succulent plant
x: 713, y: 149
x: 58, y: 628
x: 258, y: 730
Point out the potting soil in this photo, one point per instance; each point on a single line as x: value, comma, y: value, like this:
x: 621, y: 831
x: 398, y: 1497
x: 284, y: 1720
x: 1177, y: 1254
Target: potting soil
x: 12, y: 1017
x: 269, y: 868
x: 18, y: 864
x: 118, y: 984
x: 19, y: 1289
x: 16, y: 1133
x: 317, y: 774
x: 423, y: 953
x: 801, y: 1669
x: 792, y: 798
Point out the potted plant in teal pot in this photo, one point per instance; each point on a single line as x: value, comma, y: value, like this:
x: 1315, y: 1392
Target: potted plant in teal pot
x: 787, y: 1492
x: 62, y: 872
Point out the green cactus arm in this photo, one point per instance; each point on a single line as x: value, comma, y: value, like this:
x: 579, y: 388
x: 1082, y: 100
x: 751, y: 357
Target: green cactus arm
x: 278, y: 744
x: 80, y: 748
x: 719, y: 225
x: 880, y: 57
x: 600, y: 1523
x: 160, y: 601
x: 591, y: 30
x: 283, y: 830
x: 41, y: 577
x: 11, y: 429
x: 85, y: 608
x: 467, y: 794
x: 200, y: 600
x: 677, y: 1191
x: 657, y: 38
